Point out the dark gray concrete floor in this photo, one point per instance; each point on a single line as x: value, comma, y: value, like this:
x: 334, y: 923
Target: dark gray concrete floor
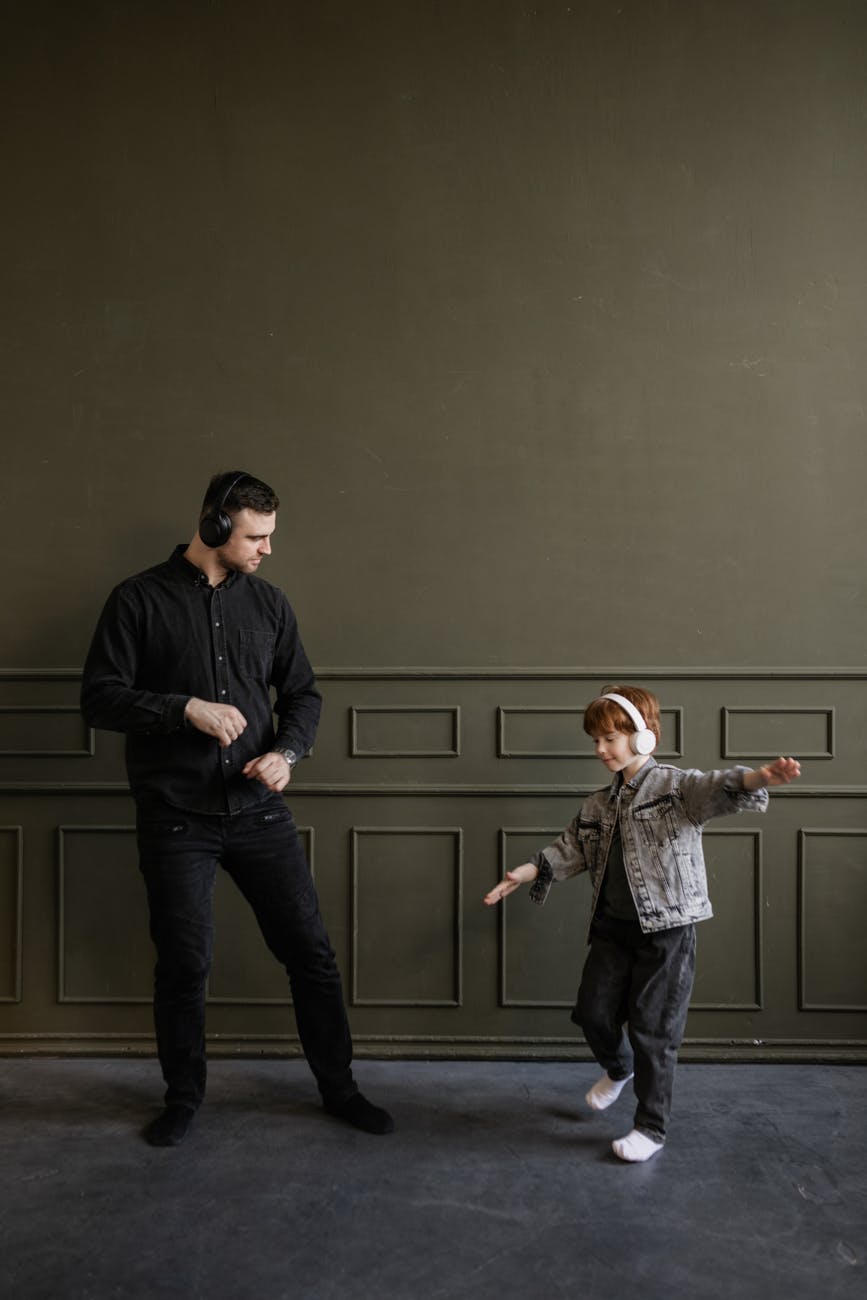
x: 497, y: 1183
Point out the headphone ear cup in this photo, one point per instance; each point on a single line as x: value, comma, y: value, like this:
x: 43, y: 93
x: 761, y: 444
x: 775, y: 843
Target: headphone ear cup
x: 215, y: 530
x: 642, y: 742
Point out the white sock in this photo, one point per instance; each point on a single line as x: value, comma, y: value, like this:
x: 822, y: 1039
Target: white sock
x: 636, y: 1146
x: 605, y: 1092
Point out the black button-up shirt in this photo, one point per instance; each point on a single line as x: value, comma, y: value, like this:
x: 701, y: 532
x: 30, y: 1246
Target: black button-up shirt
x: 166, y: 635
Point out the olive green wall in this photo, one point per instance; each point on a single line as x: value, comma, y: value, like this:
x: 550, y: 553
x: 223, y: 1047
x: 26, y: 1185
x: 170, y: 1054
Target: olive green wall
x: 547, y: 323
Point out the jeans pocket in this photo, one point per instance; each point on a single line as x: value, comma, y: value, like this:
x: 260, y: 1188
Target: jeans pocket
x: 161, y: 832
x: 274, y: 817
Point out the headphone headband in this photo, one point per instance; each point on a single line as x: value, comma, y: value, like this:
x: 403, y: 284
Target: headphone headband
x: 234, y: 480
x: 643, y: 741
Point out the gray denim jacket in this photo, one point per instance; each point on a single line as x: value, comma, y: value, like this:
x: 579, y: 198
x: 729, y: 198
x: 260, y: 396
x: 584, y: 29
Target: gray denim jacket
x: 662, y: 813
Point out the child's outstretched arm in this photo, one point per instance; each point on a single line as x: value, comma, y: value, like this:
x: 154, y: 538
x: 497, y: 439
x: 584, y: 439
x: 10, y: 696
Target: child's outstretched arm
x: 513, y: 880
x: 780, y: 772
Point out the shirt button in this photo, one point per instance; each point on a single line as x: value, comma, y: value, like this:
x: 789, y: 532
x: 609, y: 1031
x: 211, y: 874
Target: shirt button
x: 222, y: 692
x: 216, y: 625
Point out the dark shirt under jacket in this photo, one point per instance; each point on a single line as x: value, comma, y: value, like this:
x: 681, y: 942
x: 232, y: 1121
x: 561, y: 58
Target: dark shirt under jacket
x: 615, y: 897
x: 166, y: 635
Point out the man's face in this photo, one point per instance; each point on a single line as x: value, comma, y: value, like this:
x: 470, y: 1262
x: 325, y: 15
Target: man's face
x: 249, y: 542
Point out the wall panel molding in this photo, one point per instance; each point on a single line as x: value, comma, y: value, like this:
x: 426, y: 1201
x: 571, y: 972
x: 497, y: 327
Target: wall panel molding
x: 825, y: 732
x: 449, y: 672
x: 832, y: 904
x: 504, y: 790
x: 410, y: 766
x: 717, y: 951
x: 12, y: 894
x: 546, y: 932
x: 414, y: 951
x: 405, y: 712
x: 364, y: 672
x: 102, y: 935
x: 524, y: 713
x: 34, y: 730
x: 720, y: 961
x: 441, y: 1046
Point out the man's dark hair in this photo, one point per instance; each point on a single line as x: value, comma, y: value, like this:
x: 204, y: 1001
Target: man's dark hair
x: 248, y: 493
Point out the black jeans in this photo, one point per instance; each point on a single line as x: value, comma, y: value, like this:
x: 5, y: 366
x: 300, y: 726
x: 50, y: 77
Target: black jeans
x: 179, y: 853
x: 643, y: 981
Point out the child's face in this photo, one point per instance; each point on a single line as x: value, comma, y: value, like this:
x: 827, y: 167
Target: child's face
x: 614, y: 750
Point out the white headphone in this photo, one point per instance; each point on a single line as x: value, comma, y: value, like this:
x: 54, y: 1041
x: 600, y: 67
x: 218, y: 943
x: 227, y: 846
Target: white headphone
x: 642, y: 740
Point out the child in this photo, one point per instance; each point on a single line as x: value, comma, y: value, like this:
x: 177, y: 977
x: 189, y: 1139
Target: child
x: 640, y: 840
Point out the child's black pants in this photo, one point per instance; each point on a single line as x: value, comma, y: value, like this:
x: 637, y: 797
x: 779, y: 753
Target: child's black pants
x: 643, y: 981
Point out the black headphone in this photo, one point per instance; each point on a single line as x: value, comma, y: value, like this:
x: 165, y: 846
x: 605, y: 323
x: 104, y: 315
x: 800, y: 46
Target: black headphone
x: 215, y: 527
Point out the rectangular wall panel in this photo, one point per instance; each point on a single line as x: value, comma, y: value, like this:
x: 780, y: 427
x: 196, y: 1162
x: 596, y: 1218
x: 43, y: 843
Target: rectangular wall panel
x: 406, y: 898
x: 35, y: 731
x: 542, y: 949
x: 11, y: 911
x: 764, y: 731
x: 557, y: 731
x: 398, y: 731
x: 104, y: 949
x: 729, y: 946
x: 833, y: 907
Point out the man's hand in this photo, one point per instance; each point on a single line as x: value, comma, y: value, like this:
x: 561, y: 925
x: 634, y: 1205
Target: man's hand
x: 273, y: 770
x: 222, y: 721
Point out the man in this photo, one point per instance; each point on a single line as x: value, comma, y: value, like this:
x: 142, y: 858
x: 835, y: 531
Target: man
x: 183, y: 660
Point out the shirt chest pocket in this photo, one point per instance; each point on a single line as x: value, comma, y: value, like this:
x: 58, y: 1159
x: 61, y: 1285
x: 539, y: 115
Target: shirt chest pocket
x: 589, y: 837
x: 256, y: 653
x: 656, y: 822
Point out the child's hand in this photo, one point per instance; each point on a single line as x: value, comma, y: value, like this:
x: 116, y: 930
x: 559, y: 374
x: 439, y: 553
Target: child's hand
x: 514, y: 879
x: 780, y: 772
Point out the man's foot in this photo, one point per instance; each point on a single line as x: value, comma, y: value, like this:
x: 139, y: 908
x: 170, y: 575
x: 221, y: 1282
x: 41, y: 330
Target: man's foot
x: 361, y: 1113
x: 170, y: 1128
x: 636, y: 1147
x: 605, y: 1092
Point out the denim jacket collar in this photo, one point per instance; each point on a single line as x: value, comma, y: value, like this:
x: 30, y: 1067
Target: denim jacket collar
x: 616, y: 788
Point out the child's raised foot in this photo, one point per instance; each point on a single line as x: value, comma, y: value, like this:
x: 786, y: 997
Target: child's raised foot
x: 636, y: 1147
x: 605, y: 1092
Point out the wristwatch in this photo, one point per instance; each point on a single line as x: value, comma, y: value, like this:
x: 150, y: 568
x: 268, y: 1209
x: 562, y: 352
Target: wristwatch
x: 290, y: 756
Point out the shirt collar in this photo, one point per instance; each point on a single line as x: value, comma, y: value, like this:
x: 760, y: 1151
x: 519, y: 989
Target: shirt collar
x: 188, y: 573
x: 634, y: 782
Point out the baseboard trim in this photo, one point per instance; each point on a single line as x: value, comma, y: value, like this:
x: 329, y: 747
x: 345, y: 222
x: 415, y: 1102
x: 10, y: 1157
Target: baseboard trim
x: 385, y: 1048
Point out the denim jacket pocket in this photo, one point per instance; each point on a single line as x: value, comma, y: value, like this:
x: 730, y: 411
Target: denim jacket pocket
x: 656, y: 822
x: 588, y: 836
x: 665, y: 843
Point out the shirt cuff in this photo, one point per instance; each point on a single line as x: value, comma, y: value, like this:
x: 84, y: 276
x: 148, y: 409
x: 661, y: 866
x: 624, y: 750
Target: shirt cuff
x: 542, y: 884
